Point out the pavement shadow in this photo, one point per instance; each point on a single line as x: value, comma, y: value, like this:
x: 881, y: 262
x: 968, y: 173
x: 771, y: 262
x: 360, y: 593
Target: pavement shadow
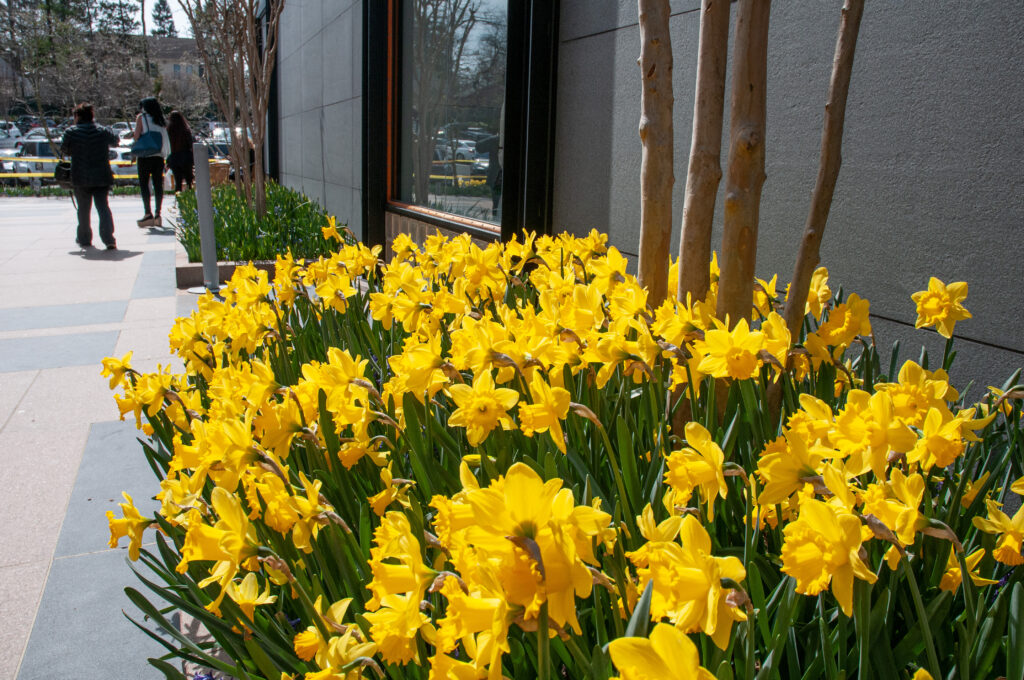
x: 104, y: 254
x: 166, y: 230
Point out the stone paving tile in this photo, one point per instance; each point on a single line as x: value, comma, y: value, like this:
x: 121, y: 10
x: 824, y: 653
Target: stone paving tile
x: 13, y: 387
x: 67, y: 330
x: 21, y: 587
x: 45, y: 418
x: 61, y: 398
x: 156, y: 275
x: 52, y: 316
x: 111, y: 446
x: 80, y: 632
x: 37, y: 471
x: 25, y: 354
x: 146, y: 342
x: 151, y: 309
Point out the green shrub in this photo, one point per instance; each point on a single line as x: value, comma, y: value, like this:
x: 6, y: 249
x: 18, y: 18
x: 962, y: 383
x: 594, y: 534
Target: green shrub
x: 292, y: 221
x: 57, y: 192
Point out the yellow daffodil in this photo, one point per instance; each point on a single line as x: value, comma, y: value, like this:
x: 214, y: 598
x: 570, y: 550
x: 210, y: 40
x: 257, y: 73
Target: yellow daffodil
x: 731, y: 354
x: 846, y: 321
x: 668, y: 654
x: 819, y: 294
x: 396, y: 562
x: 698, y: 466
x: 897, y: 504
x: 131, y: 524
x: 786, y: 468
x: 331, y: 230
x: 821, y: 547
x: 941, y: 441
x: 953, y: 576
x: 247, y: 594
x: 394, y: 627
x: 765, y: 295
x: 549, y: 408
x: 482, y: 407
x: 941, y: 306
x: 975, y: 486
x: 391, y: 493
x: 1010, y: 532
x: 116, y: 369
x: 536, y: 539
x: 688, y: 583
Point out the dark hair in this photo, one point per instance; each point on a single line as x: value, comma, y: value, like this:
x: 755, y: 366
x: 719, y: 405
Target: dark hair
x: 151, y: 106
x: 178, y: 131
x: 83, y: 113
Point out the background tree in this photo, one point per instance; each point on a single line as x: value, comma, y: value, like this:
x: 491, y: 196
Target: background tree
x: 441, y: 31
x: 238, y: 47
x: 745, y: 176
x: 67, y: 51
x: 163, y: 20
x: 656, y: 176
x: 705, y: 165
x: 118, y: 17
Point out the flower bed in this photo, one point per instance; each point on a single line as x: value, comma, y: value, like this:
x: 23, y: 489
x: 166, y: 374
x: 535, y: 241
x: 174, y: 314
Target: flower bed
x: 292, y: 223
x: 467, y: 468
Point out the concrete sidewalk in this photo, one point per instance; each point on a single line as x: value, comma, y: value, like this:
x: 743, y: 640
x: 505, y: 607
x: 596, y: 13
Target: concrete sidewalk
x: 64, y: 455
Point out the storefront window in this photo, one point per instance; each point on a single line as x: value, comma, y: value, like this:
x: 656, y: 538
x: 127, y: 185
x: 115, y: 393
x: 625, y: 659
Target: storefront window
x: 451, y: 106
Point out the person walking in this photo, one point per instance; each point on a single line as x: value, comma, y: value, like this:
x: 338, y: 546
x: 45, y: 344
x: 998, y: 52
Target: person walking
x: 151, y: 165
x: 88, y: 145
x: 180, y: 161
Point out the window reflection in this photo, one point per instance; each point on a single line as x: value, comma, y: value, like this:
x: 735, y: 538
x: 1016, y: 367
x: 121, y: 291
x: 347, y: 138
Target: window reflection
x: 451, y: 106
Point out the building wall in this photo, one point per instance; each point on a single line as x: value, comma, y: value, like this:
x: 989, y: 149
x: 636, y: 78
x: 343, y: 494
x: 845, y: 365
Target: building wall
x: 931, y: 181
x: 931, y: 177
x: 320, y: 104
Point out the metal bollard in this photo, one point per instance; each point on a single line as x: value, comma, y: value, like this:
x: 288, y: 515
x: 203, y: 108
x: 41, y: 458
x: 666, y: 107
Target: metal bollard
x: 204, y: 205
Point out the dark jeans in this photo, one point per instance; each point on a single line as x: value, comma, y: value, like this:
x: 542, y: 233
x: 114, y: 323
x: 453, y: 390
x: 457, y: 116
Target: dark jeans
x: 151, y: 169
x: 86, y: 196
x: 183, y: 175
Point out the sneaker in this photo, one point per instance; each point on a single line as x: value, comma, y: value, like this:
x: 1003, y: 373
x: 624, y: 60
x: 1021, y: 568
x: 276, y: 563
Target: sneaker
x: 145, y: 221
x: 156, y: 222
x: 111, y: 246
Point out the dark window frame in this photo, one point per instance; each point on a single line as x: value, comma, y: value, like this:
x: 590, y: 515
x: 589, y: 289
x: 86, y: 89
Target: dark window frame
x: 528, y: 169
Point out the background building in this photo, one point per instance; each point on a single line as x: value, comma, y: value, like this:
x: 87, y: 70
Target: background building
x: 931, y: 182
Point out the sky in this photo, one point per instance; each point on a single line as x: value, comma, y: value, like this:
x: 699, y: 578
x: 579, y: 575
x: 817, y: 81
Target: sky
x: 180, y: 20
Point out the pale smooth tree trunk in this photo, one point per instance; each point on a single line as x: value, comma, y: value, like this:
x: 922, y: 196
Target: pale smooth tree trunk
x: 745, y: 176
x: 705, y: 168
x: 828, y: 166
x: 656, y: 177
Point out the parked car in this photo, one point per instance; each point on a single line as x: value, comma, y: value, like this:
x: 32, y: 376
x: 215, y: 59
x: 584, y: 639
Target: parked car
x: 10, y: 128
x: 39, y: 134
x: 34, y: 152
x: 130, y: 172
x: 7, y: 150
x: 120, y: 127
x: 6, y: 141
x: 25, y: 123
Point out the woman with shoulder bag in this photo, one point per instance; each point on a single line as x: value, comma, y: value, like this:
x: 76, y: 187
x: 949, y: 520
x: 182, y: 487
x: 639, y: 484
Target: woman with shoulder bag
x: 150, y: 126
x: 181, y: 161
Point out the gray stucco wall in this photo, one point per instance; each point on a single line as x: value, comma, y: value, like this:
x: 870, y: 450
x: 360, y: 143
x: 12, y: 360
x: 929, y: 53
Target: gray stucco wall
x: 932, y: 181
x: 320, y: 89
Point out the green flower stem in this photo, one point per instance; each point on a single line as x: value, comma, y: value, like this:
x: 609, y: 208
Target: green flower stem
x: 862, y: 621
x: 543, y: 645
x: 578, y: 656
x: 628, y: 514
x: 922, y: 617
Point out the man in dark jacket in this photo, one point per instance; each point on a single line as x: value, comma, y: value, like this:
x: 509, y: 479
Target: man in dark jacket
x: 88, y: 145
